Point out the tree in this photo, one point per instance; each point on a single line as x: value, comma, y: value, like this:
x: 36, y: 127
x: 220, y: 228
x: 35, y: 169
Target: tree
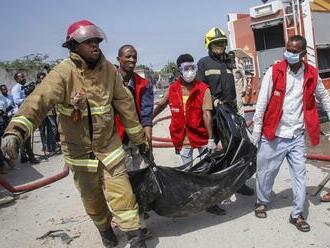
x: 170, y: 69
x: 31, y: 62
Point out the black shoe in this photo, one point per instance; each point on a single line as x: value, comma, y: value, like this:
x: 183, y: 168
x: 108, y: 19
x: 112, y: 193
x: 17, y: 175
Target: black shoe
x: 24, y: 160
x: 146, y: 234
x: 146, y: 215
x: 216, y: 210
x: 109, y: 238
x: 245, y: 190
x: 135, y: 239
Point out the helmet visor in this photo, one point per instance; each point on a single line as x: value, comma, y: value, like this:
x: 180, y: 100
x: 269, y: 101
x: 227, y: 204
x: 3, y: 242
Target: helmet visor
x: 84, y: 33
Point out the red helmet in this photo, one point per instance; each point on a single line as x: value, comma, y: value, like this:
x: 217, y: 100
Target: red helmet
x: 83, y: 30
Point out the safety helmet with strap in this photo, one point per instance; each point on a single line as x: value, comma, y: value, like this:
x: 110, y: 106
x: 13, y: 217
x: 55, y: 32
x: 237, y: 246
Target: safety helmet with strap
x: 81, y: 31
x: 215, y: 34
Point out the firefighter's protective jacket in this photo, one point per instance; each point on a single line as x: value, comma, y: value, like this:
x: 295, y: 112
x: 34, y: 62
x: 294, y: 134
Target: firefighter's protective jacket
x: 94, y: 137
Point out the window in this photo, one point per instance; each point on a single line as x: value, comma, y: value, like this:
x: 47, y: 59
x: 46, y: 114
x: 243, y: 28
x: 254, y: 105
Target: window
x: 269, y: 37
x: 323, y: 57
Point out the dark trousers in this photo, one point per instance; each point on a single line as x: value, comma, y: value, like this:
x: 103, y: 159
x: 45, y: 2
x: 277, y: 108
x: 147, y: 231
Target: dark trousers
x: 48, y: 133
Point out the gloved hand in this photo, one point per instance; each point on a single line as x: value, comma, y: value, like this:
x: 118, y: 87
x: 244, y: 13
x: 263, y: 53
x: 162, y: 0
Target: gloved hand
x: 9, y: 146
x: 255, y: 138
x: 211, y: 145
x: 216, y: 103
x: 144, y: 149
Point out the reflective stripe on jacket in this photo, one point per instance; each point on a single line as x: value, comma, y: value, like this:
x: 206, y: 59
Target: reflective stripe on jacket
x: 91, y: 136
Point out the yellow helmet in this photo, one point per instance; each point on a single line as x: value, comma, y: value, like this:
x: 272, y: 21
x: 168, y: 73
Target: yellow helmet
x: 215, y: 34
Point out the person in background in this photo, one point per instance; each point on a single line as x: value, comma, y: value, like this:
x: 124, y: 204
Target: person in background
x: 48, y: 128
x: 19, y: 97
x: 240, y: 81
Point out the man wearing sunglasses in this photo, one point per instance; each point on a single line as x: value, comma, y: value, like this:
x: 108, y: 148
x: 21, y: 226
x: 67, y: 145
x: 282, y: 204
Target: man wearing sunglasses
x: 285, y: 110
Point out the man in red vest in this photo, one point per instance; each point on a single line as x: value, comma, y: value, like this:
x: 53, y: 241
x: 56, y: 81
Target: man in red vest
x: 143, y: 97
x: 286, y: 107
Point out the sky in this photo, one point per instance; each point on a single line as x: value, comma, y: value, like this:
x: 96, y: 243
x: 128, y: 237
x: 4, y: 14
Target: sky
x: 159, y: 30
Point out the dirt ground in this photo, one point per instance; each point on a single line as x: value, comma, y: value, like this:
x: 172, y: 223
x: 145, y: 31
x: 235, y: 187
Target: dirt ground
x: 58, y: 207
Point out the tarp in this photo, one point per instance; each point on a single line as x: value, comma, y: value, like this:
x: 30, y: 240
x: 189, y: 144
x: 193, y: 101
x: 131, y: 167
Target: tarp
x: 184, y: 190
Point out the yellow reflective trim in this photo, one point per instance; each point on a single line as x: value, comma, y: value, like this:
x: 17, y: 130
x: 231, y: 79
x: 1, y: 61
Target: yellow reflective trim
x: 102, y: 221
x: 64, y: 111
x: 212, y: 72
x: 25, y: 122
x: 91, y: 164
x: 100, y: 110
x: 94, y: 110
x: 113, y: 155
x: 127, y: 215
x: 133, y: 130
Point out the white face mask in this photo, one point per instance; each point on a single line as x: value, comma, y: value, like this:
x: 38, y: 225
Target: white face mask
x: 189, y: 76
x: 188, y: 71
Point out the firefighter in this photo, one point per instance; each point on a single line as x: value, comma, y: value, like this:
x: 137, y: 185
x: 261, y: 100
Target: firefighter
x: 216, y: 70
x: 143, y: 95
x: 86, y: 89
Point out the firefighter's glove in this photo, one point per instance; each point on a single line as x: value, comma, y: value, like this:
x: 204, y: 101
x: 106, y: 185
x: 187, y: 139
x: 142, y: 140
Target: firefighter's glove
x: 255, y: 138
x: 211, y: 145
x: 10, y: 145
x: 216, y: 103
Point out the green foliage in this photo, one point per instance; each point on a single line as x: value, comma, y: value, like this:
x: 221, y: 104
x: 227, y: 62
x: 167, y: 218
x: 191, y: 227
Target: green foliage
x: 170, y: 69
x: 31, y: 62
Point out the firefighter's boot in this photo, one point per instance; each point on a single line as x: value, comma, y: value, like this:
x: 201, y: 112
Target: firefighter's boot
x: 135, y: 239
x: 109, y: 239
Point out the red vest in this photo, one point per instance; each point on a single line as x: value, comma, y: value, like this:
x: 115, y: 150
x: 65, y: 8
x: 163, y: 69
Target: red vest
x: 140, y: 85
x: 273, y: 113
x: 191, y: 123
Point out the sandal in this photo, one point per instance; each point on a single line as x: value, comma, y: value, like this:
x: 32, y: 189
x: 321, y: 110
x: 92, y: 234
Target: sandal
x: 260, y: 211
x: 326, y: 197
x: 300, y: 223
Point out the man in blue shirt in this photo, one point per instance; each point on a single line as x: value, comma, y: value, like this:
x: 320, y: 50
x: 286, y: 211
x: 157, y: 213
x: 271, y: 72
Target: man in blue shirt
x: 19, y: 97
x: 9, y: 101
x: 17, y: 90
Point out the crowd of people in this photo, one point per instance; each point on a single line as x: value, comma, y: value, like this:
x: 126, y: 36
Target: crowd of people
x: 10, y: 102
x: 104, y: 112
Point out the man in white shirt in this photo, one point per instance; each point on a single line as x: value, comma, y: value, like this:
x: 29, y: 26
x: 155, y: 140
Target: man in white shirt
x: 286, y: 107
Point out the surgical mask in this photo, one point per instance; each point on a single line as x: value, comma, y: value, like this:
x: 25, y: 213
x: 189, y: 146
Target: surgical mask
x: 188, y: 71
x: 292, y: 58
x: 189, y: 76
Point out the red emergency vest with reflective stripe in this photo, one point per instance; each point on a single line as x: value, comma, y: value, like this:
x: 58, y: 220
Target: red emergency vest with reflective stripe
x: 191, y: 121
x: 140, y: 85
x: 274, y: 111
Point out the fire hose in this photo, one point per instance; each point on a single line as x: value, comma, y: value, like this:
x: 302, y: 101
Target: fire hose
x: 34, y: 185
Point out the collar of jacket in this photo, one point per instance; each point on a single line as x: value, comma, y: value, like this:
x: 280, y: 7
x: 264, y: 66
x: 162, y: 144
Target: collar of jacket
x: 224, y: 58
x: 81, y: 63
